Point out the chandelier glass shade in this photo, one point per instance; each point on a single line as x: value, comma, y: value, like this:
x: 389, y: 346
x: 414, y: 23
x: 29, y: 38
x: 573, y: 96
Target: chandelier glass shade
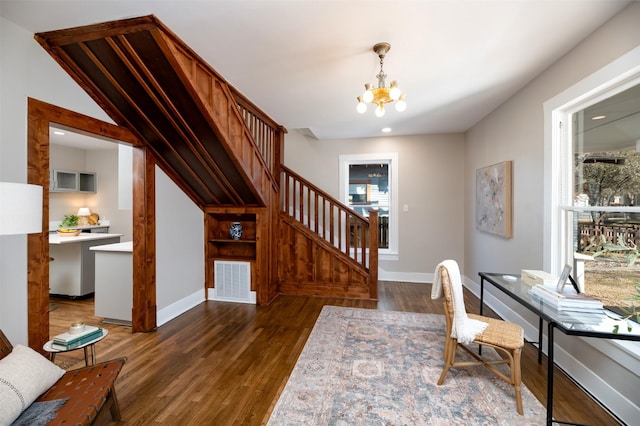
x: 381, y: 95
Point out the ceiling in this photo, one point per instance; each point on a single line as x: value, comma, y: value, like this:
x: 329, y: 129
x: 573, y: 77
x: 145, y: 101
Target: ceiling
x: 611, y: 124
x: 305, y: 62
x: 72, y: 138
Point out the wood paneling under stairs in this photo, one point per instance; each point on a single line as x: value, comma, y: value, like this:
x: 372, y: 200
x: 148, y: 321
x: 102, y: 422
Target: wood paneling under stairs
x: 225, y: 363
x: 147, y: 80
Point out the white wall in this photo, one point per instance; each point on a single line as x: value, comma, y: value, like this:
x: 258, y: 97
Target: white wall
x: 515, y: 131
x: 180, y: 257
x: 26, y: 70
x: 105, y: 163
x: 431, y: 183
x: 63, y: 203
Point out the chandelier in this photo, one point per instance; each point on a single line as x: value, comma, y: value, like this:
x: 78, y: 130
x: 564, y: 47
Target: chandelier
x: 382, y: 94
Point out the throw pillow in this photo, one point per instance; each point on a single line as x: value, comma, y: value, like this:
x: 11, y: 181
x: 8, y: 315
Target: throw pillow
x: 24, y: 376
x: 39, y: 413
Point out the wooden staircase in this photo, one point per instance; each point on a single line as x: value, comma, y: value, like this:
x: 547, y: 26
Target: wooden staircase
x: 314, y: 227
x: 226, y: 155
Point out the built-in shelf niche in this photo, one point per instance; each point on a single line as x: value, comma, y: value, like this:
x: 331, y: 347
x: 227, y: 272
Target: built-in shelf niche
x: 222, y: 246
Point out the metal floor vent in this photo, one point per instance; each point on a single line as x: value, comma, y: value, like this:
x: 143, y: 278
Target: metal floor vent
x: 232, y: 281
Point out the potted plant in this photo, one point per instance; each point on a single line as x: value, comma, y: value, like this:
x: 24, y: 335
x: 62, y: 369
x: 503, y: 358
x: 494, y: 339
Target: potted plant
x: 69, y: 221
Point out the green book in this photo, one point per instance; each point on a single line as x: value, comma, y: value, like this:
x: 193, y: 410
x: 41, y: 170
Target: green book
x: 77, y: 343
x: 66, y: 338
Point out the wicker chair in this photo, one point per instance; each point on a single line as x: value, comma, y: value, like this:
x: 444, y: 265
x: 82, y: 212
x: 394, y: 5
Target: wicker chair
x: 506, y: 337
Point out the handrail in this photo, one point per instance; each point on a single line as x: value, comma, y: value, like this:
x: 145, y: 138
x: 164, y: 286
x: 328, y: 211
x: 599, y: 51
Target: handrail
x: 267, y: 134
x: 351, y: 233
x: 258, y: 145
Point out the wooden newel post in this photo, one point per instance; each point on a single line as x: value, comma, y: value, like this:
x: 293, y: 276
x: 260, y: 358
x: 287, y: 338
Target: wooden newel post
x: 374, y: 237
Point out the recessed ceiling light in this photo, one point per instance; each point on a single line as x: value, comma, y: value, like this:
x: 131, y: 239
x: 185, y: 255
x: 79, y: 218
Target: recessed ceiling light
x: 58, y: 132
x: 598, y: 117
x: 386, y: 130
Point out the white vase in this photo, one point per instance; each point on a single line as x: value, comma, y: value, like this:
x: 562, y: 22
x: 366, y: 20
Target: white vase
x: 235, y: 230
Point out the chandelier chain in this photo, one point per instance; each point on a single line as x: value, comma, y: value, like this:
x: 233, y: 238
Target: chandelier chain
x: 381, y: 75
x: 381, y: 95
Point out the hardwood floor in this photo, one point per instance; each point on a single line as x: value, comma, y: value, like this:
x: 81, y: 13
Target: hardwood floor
x: 226, y: 363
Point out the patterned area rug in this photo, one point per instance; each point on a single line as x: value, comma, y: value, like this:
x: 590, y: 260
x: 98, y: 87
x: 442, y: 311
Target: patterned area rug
x: 367, y: 367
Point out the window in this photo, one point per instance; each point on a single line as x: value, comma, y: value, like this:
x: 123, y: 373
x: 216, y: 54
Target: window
x: 605, y: 218
x: 594, y: 185
x: 368, y: 182
x: 359, y: 190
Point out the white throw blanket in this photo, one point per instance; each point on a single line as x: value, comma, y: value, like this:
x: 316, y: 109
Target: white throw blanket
x: 464, y: 328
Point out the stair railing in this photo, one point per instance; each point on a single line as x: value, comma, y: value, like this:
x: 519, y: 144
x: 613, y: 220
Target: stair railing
x: 267, y: 134
x: 338, y: 224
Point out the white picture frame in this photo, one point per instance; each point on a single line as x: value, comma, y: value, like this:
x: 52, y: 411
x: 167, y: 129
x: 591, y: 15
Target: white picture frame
x: 563, y: 278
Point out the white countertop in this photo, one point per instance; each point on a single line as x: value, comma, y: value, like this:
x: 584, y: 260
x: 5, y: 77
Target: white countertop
x: 124, y: 247
x: 53, y: 225
x: 54, y: 238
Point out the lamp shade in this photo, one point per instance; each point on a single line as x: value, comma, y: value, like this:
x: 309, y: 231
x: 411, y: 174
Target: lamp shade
x: 20, y: 208
x: 84, y: 211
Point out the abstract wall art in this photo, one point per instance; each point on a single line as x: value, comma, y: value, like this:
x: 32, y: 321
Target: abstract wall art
x: 493, y: 199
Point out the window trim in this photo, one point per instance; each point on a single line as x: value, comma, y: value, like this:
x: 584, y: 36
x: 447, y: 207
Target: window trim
x: 390, y: 158
x: 614, y: 78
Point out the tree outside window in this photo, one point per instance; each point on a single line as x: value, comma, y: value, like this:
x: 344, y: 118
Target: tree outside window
x: 606, y: 218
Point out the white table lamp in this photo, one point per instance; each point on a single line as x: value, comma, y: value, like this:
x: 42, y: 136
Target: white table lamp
x: 84, y: 211
x: 20, y: 208
x: 83, y: 214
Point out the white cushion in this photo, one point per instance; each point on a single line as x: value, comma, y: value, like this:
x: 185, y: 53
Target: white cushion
x: 24, y: 376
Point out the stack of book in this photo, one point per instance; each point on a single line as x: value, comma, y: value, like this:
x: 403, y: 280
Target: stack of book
x: 585, y: 318
x: 67, y: 341
x: 567, y: 300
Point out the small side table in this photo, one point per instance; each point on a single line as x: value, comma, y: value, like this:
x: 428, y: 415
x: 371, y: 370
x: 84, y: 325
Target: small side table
x: 87, y: 346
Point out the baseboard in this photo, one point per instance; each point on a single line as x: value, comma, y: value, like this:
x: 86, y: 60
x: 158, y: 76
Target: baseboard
x: 179, y: 307
x: 406, y: 277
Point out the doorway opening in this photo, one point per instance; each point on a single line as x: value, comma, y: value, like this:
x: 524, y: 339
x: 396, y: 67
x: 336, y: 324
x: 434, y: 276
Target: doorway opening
x: 40, y: 117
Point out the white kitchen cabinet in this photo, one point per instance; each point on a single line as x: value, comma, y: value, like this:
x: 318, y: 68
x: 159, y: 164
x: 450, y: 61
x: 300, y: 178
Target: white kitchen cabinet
x: 72, y: 268
x: 98, y: 229
x: 72, y: 181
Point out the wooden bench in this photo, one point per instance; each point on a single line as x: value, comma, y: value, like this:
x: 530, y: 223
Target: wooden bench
x: 91, y: 391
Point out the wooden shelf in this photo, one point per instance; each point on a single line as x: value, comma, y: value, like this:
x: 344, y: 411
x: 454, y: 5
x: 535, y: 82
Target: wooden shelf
x: 249, y: 248
x: 229, y: 249
x: 224, y: 241
x: 220, y: 244
x: 232, y: 258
